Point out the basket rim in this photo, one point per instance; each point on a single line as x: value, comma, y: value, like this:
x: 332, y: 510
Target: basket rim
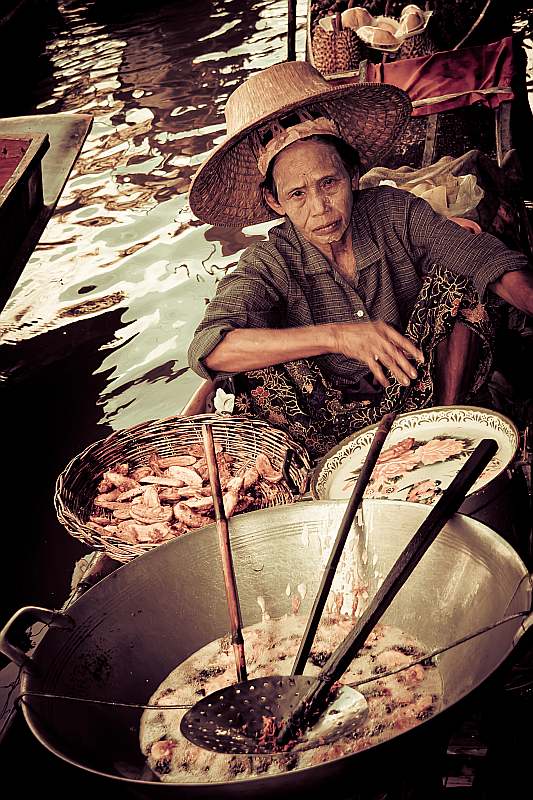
x: 200, y: 418
x: 122, y: 550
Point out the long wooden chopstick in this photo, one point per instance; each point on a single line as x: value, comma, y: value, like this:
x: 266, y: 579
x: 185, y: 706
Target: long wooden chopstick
x: 340, y: 659
x: 230, y: 583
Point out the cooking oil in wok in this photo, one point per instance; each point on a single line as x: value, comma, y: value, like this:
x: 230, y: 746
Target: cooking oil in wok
x: 395, y: 702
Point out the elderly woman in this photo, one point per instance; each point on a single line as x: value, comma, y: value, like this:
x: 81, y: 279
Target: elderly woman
x: 360, y: 302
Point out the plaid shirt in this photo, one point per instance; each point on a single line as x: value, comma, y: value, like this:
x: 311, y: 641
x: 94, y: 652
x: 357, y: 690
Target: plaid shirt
x: 286, y: 282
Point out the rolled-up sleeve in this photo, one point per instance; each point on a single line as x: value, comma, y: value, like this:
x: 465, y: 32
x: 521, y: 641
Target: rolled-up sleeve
x: 481, y: 257
x: 252, y: 296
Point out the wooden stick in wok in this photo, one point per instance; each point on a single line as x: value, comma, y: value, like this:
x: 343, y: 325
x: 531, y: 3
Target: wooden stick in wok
x: 232, y: 596
x: 336, y: 551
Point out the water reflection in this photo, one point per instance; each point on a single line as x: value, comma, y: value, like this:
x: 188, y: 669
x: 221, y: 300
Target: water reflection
x: 156, y: 81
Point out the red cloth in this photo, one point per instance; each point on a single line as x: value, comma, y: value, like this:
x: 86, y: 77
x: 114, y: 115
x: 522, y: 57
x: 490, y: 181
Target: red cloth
x: 11, y: 154
x: 469, y: 70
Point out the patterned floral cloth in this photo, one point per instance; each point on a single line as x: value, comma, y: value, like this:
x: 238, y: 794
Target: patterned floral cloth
x: 298, y: 397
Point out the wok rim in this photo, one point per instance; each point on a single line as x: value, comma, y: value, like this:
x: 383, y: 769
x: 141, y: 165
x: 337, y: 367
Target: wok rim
x: 335, y: 763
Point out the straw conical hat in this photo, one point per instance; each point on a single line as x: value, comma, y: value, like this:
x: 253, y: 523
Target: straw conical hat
x: 370, y: 116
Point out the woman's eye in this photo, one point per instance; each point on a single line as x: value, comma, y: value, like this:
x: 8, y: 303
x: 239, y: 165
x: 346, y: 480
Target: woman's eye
x: 329, y: 181
x: 297, y: 194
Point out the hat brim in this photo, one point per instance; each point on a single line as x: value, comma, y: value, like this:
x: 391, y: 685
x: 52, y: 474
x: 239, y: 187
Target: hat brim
x: 226, y: 189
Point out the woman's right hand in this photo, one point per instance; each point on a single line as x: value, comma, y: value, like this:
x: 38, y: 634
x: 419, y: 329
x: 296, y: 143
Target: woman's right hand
x: 378, y: 345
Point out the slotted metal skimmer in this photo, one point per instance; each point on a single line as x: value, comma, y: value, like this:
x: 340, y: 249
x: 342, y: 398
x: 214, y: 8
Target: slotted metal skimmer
x: 233, y: 719
x: 246, y: 718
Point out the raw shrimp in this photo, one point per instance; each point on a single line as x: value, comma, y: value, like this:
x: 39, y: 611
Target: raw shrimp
x: 184, y: 514
x: 265, y: 468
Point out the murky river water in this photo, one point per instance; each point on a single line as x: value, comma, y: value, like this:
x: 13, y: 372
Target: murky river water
x: 122, y: 243
x: 95, y: 335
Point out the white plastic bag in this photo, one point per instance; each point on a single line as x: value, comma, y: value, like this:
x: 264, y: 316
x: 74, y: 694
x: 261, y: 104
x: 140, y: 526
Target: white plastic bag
x: 454, y: 198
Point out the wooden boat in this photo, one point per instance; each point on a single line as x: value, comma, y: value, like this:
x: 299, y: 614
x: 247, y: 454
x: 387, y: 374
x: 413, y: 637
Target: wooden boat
x: 37, y: 154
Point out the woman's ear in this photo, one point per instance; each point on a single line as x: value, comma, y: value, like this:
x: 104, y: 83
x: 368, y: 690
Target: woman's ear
x: 355, y: 180
x: 271, y: 201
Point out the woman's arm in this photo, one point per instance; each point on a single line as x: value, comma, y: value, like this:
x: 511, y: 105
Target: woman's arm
x: 516, y: 288
x: 481, y: 257
x: 253, y: 296
x: 374, y: 343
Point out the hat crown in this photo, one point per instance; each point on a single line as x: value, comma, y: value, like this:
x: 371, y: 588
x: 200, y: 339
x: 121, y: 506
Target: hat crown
x: 271, y: 90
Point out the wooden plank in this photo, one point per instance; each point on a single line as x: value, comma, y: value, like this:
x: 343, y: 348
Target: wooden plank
x: 21, y: 191
x: 12, y: 151
x: 431, y: 138
x: 67, y: 134
x: 9, y: 14
x: 308, y: 45
x: 503, y: 130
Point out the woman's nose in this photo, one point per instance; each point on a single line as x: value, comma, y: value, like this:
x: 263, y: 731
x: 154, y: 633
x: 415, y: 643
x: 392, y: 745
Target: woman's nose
x: 319, y: 202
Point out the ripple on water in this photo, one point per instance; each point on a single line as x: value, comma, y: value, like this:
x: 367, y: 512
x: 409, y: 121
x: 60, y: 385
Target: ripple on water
x: 155, y: 80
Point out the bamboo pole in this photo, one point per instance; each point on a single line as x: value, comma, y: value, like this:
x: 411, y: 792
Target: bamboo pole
x: 230, y: 583
x: 291, y: 30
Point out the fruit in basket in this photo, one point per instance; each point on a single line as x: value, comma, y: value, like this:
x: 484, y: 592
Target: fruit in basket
x: 386, y: 24
x: 355, y: 17
x: 335, y: 51
x: 412, y: 19
x: 384, y: 37
x: 378, y: 36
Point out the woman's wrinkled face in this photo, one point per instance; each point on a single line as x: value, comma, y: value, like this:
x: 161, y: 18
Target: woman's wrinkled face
x: 314, y: 191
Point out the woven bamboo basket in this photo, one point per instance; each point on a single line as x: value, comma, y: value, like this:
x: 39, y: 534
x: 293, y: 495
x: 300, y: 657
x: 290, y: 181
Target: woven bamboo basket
x: 241, y: 437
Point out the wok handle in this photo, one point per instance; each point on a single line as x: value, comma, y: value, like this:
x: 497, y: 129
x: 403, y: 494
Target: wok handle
x: 525, y: 630
x: 99, y: 567
x: 17, y: 626
x: 290, y: 457
x: 519, y: 678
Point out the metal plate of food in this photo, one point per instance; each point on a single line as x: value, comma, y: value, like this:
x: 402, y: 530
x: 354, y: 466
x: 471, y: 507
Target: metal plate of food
x: 423, y: 452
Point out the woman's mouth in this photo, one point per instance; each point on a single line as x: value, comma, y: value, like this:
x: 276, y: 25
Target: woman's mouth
x: 328, y: 228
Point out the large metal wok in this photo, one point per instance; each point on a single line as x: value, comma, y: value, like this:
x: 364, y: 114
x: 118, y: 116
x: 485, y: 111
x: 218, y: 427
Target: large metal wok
x: 131, y: 629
